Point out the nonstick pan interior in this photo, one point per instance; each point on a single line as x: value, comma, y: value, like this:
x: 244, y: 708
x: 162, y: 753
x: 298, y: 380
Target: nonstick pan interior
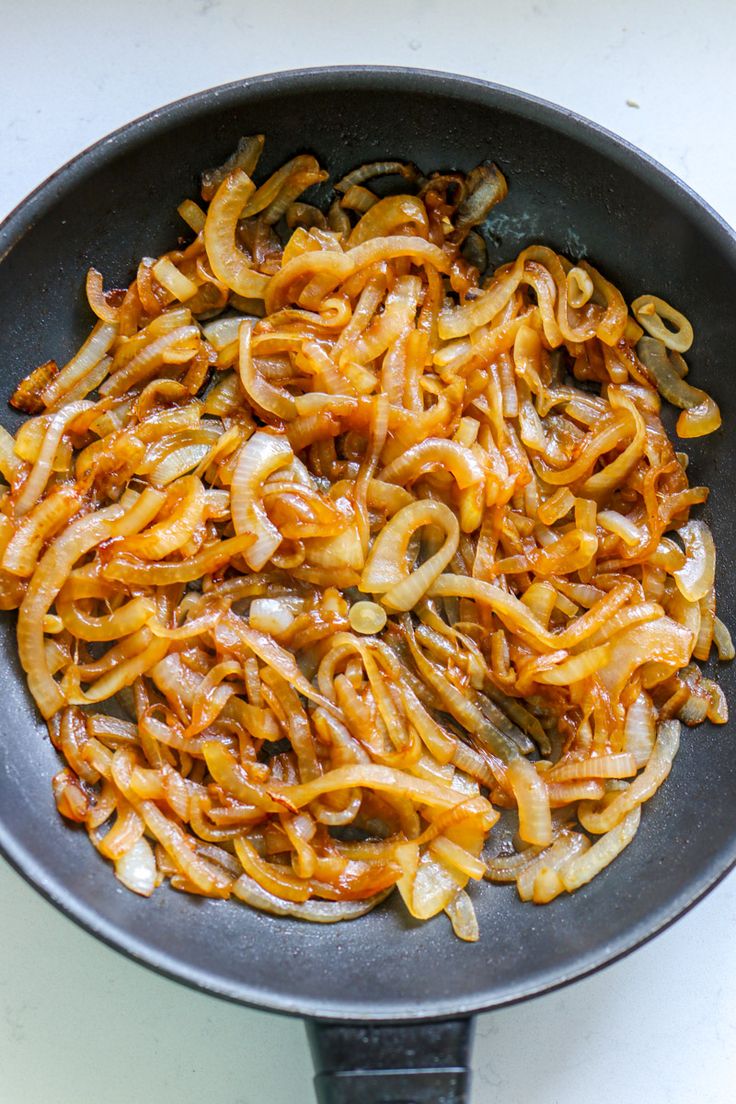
x: 571, y: 186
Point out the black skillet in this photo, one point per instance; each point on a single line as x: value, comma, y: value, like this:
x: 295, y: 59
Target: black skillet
x: 389, y: 1001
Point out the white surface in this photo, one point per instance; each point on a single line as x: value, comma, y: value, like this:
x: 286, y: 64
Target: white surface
x: 80, y: 1023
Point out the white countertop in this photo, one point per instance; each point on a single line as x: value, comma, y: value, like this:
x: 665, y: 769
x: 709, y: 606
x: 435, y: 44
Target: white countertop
x: 80, y: 1023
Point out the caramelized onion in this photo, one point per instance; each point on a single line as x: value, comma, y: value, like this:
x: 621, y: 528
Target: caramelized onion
x: 353, y: 535
x: 700, y: 414
x: 653, y: 313
x: 229, y: 263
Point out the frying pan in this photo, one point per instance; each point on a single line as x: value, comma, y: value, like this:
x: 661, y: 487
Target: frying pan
x: 389, y: 1001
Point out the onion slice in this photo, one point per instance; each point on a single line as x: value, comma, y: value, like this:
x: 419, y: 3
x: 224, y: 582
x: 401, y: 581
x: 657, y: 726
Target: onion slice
x: 584, y: 868
x: 261, y: 455
x: 316, y: 911
x: 386, y: 571
x: 696, y: 577
x: 136, y: 869
x: 229, y: 264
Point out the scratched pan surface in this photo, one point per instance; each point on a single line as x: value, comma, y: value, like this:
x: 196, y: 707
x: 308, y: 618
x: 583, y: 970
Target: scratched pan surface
x: 573, y: 187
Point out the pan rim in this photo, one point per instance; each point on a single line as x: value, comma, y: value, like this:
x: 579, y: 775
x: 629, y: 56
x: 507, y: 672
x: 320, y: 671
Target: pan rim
x: 255, y: 997
x: 563, y: 118
x: 21, y: 220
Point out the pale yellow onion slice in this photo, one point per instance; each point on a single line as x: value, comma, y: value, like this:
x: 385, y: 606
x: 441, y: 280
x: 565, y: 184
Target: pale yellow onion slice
x: 11, y: 466
x: 41, y: 523
x: 136, y: 869
x: 723, y: 642
x: 270, y: 615
x: 261, y: 455
x: 535, y: 820
x: 565, y: 847
x: 621, y: 526
x: 358, y: 199
x: 229, y: 263
x: 640, y: 729
x: 222, y: 332
x: 58, y: 425
x: 462, y: 320
x: 434, y: 887
x: 436, y: 452
x: 212, y: 558
x: 605, y: 438
x: 125, y: 673
x: 126, y: 619
x: 661, y: 641
x: 457, y: 857
x: 697, y: 575
x: 641, y: 789
x: 585, y: 867
x: 388, y: 333
x: 175, y: 345
x: 615, y: 765
x: 387, y: 216
x: 175, y: 282
x: 298, y: 181
x: 127, y: 829
x: 205, y: 875
x: 192, y: 214
x: 316, y: 911
x: 139, y: 513
x: 575, y: 668
x: 301, y: 165
x: 614, y: 473
x: 717, y: 703
x: 462, y: 917
x: 91, y: 353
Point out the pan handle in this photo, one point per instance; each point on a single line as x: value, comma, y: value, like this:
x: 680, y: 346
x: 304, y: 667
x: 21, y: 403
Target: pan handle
x: 405, y: 1063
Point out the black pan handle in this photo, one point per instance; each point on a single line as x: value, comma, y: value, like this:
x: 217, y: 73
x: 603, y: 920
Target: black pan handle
x: 414, y: 1063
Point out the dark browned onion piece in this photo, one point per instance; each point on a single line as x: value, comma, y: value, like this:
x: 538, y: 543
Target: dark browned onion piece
x: 245, y: 157
x: 373, y: 169
x: 486, y: 187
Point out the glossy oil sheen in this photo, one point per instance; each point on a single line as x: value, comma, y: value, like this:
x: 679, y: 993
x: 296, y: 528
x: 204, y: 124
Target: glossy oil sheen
x: 573, y: 187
